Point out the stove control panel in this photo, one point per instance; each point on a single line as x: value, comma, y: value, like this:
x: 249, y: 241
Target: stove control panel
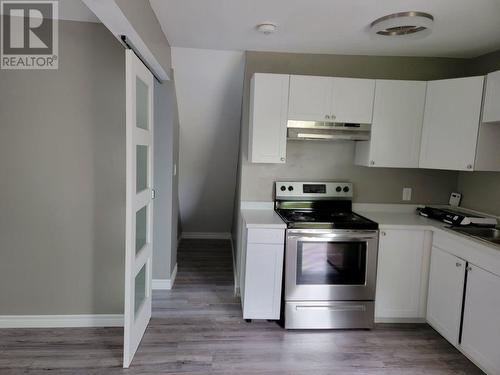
x: 313, y: 190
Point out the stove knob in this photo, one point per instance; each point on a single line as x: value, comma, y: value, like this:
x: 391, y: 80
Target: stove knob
x: 283, y: 188
x: 338, y: 189
x: 290, y: 188
x: 346, y: 189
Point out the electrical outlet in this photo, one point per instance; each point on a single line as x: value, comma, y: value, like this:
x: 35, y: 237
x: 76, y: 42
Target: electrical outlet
x: 407, y: 194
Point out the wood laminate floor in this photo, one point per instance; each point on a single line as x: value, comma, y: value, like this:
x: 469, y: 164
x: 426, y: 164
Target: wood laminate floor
x: 197, y: 329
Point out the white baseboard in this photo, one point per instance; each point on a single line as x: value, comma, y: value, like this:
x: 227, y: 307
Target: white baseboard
x: 165, y: 284
x: 61, y: 321
x: 400, y: 320
x: 207, y: 235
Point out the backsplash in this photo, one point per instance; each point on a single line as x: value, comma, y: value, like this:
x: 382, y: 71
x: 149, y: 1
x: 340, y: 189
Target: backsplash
x: 333, y: 161
x: 480, y: 191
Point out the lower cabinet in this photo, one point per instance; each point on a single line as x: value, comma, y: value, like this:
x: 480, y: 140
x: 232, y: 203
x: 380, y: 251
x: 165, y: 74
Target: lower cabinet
x: 402, y: 274
x: 446, y: 291
x: 263, y: 268
x: 481, y: 320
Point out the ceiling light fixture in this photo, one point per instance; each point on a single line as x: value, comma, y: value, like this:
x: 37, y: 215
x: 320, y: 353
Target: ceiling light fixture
x: 402, y: 24
x: 266, y: 28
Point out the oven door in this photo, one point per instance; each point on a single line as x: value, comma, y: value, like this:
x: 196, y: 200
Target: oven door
x: 330, y: 265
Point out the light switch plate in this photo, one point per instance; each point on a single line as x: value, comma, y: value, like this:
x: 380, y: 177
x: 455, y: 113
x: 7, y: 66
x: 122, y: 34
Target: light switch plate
x: 455, y: 199
x: 407, y: 194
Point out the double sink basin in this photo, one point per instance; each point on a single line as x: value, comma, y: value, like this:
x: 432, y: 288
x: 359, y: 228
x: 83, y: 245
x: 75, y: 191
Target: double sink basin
x: 491, y: 235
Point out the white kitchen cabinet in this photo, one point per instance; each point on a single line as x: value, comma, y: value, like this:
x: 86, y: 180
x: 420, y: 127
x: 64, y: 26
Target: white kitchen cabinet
x: 263, y: 268
x: 491, y: 106
x: 268, y: 118
x: 396, y: 130
x: 310, y: 98
x: 444, y: 300
x: 451, y: 123
x: 352, y: 100
x: 481, y: 321
x: 331, y: 99
x: 402, y: 275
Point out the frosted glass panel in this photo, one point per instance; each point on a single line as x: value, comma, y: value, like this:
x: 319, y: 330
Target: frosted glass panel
x: 141, y: 224
x: 141, y: 104
x: 141, y: 168
x: 140, y: 289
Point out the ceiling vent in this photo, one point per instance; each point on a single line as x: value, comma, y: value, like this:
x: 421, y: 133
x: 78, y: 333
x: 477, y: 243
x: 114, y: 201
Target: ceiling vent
x: 403, y: 23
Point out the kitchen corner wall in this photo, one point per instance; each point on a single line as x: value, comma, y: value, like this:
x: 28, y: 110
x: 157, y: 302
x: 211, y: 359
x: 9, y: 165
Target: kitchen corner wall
x: 334, y: 161
x: 481, y: 190
x: 209, y: 90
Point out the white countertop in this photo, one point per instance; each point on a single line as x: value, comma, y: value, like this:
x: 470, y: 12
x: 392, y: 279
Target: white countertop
x: 262, y: 218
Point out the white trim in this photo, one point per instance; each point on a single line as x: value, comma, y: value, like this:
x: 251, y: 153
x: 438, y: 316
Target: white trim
x: 61, y: 321
x: 165, y: 284
x: 110, y: 14
x: 249, y: 205
x: 206, y: 235
x: 401, y: 320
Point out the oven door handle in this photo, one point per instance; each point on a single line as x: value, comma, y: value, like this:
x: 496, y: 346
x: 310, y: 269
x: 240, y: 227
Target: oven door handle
x: 333, y: 237
x: 352, y: 307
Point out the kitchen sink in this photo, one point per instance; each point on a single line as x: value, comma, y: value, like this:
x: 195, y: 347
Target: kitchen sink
x: 486, y: 234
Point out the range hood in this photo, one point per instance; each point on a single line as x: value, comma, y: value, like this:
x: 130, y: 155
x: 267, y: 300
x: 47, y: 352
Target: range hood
x: 327, y: 131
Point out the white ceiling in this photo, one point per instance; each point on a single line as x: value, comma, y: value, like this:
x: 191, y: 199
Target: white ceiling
x: 462, y: 28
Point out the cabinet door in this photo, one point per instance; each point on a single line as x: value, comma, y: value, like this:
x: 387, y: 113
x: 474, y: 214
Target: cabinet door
x: 481, y: 324
x: 491, y: 109
x: 444, y: 301
x: 310, y: 98
x: 451, y: 123
x: 268, y: 118
x: 400, y: 275
x: 263, y: 279
x: 398, y: 115
x: 352, y: 100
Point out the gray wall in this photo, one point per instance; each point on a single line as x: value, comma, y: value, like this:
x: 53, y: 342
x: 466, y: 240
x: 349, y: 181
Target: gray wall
x: 166, y: 204
x: 481, y: 190
x: 209, y: 90
x: 62, y: 168
x: 334, y: 161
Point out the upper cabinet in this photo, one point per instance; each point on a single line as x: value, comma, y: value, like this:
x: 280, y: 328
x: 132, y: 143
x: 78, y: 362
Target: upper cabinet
x: 331, y: 99
x: 397, y: 126
x: 491, y: 109
x: 268, y: 118
x: 310, y: 98
x: 451, y: 123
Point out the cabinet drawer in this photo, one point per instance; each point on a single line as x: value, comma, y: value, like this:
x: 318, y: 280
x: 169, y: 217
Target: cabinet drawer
x: 267, y: 236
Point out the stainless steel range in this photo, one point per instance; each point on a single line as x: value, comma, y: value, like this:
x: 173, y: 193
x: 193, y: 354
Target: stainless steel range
x: 331, y: 257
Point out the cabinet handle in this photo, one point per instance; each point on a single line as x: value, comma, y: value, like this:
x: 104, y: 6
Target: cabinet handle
x: 469, y: 268
x: 383, y: 233
x: 282, y: 159
x: 372, y: 162
x: 458, y: 264
x: 469, y: 166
